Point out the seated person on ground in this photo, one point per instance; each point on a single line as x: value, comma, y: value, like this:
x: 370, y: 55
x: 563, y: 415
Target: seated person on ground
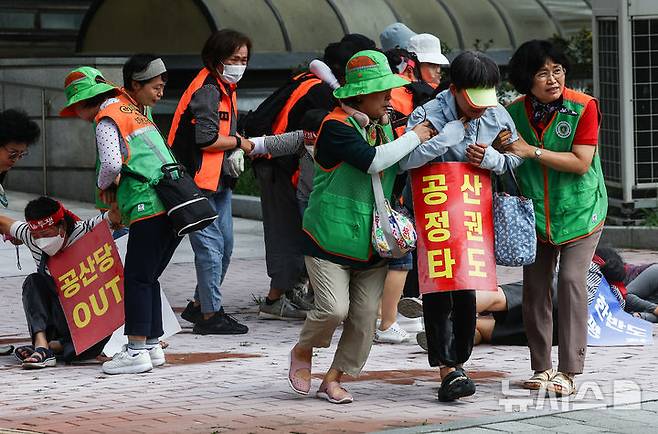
x: 48, y: 229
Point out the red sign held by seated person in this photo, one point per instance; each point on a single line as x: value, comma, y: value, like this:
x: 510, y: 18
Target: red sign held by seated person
x: 454, y: 222
x: 89, y: 278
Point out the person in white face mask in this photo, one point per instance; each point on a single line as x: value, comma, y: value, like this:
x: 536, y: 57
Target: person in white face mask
x: 49, y: 228
x: 204, y: 138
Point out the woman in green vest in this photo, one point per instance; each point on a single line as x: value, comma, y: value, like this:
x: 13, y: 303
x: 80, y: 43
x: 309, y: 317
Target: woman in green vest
x: 127, y: 141
x: 562, y: 175
x: 346, y: 274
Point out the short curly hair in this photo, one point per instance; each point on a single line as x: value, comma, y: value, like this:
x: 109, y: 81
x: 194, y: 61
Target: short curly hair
x: 16, y: 126
x: 529, y: 58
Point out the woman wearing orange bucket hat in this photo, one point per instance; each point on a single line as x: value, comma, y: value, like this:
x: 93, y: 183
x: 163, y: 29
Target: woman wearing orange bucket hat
x: 346, y: 275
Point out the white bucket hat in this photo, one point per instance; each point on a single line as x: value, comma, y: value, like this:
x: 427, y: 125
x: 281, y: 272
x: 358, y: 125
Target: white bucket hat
x: 427, y: 48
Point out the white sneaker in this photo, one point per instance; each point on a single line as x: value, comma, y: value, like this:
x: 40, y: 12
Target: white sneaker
x: 392, y: 335
x: 157, y: 356
x: 411, y: 325
x: 128, y: 362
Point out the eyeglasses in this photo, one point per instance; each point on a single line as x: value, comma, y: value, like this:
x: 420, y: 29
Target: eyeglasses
x: 557, y: 72
x: 16, y: 155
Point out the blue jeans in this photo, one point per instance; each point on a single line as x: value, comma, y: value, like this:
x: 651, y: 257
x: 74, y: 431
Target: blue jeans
x: 213, y: 247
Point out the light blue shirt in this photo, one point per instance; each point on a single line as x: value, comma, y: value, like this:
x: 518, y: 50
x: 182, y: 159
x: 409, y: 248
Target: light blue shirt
x: 453, y: 139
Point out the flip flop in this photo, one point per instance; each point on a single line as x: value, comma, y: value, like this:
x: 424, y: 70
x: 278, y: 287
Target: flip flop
x: 299, y: 385
x: 6, y: 350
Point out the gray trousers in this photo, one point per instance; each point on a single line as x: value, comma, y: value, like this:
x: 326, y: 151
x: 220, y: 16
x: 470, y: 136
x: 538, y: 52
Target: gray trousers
x: 44, y: 314
x: 574, y: 258
x: 282, y: 222
x: 343, y: 296
x: 42, y: 309
x: 643, y: 291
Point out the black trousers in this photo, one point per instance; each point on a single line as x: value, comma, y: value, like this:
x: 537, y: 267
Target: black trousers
x: 450, y: 319
x: 151, y: 244
x: 282, y: 224
x: 44, y: 314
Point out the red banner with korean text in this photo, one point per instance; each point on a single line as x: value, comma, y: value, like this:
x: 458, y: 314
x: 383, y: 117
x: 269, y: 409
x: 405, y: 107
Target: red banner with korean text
x: 89, y: 279
x: 454, y: 223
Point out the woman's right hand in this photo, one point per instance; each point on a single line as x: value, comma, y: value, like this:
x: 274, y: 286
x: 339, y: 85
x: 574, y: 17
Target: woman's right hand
x: 424, y: 131
x: 502, y: 140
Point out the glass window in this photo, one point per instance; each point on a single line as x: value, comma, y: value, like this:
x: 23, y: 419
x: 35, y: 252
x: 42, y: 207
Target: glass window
x: 480, y: 24
x: 573, y: 15
x: 304, y: 34
x: 427, y: 17
x: 64, y: 21
x: 17, y: 20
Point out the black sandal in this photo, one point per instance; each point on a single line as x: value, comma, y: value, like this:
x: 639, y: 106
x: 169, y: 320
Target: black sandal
x: 43, y: 358
x: 23, y: 352
x: 456, y: 385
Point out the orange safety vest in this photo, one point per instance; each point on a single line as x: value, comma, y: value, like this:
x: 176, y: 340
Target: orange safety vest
x: 146, y: 153
x: 280, y: 125
x: 181, y: 133
x: 402, y: 101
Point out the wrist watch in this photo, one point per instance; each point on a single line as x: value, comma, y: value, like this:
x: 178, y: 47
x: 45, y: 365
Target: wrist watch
x: 537, y: 153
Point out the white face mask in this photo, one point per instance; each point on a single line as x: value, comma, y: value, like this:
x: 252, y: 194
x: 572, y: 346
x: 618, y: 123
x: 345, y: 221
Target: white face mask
x: 232, y: 73
x: 50, y: 245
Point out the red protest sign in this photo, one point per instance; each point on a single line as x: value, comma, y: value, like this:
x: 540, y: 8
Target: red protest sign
x: 89, y: 279
x: 454, y: 223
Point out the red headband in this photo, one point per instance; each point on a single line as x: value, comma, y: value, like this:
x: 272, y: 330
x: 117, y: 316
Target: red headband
x: 598, y: 260
x: 52, y: 220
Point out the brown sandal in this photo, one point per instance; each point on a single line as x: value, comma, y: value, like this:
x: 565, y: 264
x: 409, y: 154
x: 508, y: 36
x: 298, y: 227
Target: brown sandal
x: 539, y: 380
x: 562, y: 385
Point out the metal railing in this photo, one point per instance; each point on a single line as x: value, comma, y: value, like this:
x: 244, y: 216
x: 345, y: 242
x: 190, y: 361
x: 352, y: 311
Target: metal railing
x: 45, y: 108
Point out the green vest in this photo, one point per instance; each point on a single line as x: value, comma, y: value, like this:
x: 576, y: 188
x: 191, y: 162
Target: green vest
x: 147, y: 152
x: 567, y: 205
x: 148, y: 112
x: 340, y: 208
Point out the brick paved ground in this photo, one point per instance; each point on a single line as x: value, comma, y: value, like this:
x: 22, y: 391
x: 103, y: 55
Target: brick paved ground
x: 238, y: 384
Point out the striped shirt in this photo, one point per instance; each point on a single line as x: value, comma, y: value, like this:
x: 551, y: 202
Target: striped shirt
x: 594, y: 277
x: 21, y: 231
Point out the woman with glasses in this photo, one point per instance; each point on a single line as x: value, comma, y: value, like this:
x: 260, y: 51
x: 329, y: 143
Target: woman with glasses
x: 562, y: 174
x: 17, y: 132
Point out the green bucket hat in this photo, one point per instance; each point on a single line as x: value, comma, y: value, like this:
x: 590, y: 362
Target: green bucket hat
x: 83, y: 83
x: 367, y: 72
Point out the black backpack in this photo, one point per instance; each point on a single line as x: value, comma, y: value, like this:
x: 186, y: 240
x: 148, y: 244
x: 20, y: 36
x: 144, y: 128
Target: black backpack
x: 259, y: 122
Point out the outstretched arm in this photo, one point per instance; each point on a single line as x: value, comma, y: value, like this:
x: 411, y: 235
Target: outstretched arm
x: 5, y: 224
